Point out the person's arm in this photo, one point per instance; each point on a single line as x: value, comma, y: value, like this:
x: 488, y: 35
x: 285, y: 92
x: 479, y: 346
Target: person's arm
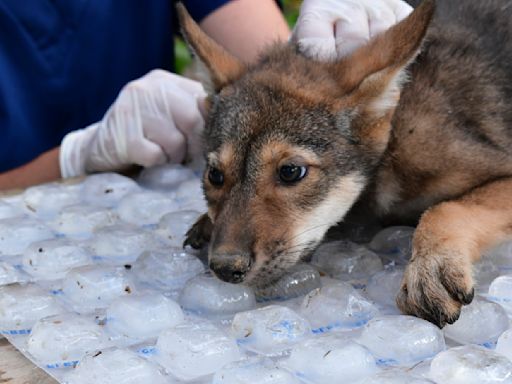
x: 244, y: 27
x: 42, y: 169
x: 155, y: 119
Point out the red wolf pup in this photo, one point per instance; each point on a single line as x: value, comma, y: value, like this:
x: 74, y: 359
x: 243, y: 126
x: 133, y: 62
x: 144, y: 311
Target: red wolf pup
x: 416, y: 125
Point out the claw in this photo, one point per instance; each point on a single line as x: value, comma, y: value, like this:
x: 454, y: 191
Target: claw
x: 436, y: 294
x: 199, y: 235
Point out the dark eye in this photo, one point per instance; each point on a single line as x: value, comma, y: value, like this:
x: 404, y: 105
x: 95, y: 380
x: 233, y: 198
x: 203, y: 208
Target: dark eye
x: 292, y: 173
x: 215, y: 177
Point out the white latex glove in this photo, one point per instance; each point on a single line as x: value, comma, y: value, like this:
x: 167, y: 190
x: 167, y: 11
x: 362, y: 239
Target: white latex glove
x: 328, y: 29
x: 154, y: 120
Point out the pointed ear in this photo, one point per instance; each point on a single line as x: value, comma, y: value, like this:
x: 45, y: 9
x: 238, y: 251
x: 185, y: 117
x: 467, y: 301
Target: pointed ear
x: 373, y: 76
x: 222, y: 67
x: 390, y: 51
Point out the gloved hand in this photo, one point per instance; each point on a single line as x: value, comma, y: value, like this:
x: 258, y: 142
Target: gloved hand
x: 329, y: 29
x: 154, y: 120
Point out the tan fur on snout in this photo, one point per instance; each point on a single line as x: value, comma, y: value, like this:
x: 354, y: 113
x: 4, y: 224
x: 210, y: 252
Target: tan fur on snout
x: 309, y: 227
x: 278, y: 223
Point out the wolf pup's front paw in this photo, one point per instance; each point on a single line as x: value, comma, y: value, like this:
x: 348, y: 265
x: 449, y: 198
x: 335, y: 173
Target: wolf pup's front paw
x: 200, y: 233
x: 436, y: 286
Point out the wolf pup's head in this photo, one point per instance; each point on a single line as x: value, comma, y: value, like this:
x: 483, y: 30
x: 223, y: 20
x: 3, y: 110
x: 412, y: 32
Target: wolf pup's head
x: 291, y: 142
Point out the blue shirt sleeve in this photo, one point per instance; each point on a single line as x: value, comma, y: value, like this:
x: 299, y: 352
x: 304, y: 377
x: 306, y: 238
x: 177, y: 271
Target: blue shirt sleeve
x: 199, y: 9
x: 63, y: 63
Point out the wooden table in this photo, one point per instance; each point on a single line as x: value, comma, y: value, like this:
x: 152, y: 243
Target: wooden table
x: 17, y: 369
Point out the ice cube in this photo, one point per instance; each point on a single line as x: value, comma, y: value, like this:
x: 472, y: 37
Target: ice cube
x: 336, y: 306
x: 402, y: 340
x: 22, y: 305
x: 9, y: 274
x: 384, y: 286
x: 269, y: 330
x: 501, y: 256
x: 64, y: 338
x: 165, y: 177
x: 208, y: 296
x: 394, y: 377
x: 81, y: 220
x: 394, y: 244
x: 52, y: 259
x: 18, y: 233
x: 484, y: 273
x: 120, y: 244
x: 471, y: 364
x: 8, y: 211
x: 253, y: 370
x: 346, y: 260
x: 193, y: 350
x: 298, y: 281
x: 330, y: 359
x: 170, y: 269
x: 91, y: 287
x: 191, y: 196
x: 481, y: 322
x: 48, y: 199
x: 142, y: 316
x: 119, y: 366
x: 500, y: 291
x: 145, y: 207
x: 173, y: 226
x: 106, y: 189
x: 504, y: 345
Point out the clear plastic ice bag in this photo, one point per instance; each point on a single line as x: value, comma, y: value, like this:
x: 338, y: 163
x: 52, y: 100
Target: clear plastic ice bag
x: 169, y: 268
x: 269, y: 330
x: 119, y: 366
x: 337, y: 306
x: 140, y: 317
x: 480, y: 322
x: 194, y: 350
x: 64, y: 339
x: 92, y: 287
x: 402, y: 340
x: 21, y: 306
x: 205, y: 295
x: 298, y: 281
x: 52, y: 259
x: 471, y: 364
x: 165, y: 177
x: 330, y: 359
x: 345, y: 260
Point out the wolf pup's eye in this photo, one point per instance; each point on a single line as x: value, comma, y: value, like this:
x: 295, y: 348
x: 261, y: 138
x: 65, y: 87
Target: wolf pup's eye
x: 291, y: 173
x: 216, y: 177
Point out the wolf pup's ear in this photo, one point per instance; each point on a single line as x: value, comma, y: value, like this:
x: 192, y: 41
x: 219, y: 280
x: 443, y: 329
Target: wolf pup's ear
x: 389, y: 52
x: 374, y: 74
x: 222, y: 67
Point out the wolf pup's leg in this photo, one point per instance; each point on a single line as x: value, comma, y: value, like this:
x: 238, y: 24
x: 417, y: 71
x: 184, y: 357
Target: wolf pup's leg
x: 449, y: 238
x: 199, y: 235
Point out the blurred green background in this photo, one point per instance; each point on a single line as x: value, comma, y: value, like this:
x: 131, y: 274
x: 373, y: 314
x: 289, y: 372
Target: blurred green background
x: 290, y: 10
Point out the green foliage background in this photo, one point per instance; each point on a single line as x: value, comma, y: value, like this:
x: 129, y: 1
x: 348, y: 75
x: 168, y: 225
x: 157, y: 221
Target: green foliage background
x: 182, y: 56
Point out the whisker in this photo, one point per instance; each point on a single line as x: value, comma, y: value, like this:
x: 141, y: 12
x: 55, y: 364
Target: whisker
x: 309, y: 229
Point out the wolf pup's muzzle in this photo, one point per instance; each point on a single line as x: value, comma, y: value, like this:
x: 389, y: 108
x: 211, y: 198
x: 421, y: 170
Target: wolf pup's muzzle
x: 230, y: 267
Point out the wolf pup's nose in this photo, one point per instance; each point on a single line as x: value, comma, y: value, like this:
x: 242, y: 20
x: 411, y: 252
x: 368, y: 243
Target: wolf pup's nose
x: 230, y: 268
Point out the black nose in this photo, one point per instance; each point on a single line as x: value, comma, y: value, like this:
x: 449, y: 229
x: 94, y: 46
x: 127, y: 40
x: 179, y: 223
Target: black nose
x: 230, y: 268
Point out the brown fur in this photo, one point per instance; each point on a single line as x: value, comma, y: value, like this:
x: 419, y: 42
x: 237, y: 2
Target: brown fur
x: 436, y: 147
x: 223, y: 67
